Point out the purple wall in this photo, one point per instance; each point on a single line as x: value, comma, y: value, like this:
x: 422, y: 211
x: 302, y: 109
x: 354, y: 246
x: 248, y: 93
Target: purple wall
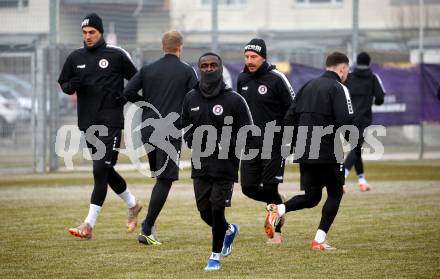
x: 411, y: 91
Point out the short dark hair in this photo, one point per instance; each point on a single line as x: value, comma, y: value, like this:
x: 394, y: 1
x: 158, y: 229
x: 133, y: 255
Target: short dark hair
x: 336, y: 58
x: 209, y: 54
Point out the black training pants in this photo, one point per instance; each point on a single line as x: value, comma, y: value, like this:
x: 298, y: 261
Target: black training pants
x: 313, y: 178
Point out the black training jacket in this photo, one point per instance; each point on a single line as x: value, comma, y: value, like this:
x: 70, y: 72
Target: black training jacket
x: 364, y: 87
x: 164, y: 84
x: 102, y: 70
x: 198, y: 110
x: 320, y: 102
x: 268, y: 94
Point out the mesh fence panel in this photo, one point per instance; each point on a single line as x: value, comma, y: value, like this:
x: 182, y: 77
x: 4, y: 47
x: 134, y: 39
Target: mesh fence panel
x: 36, y: 37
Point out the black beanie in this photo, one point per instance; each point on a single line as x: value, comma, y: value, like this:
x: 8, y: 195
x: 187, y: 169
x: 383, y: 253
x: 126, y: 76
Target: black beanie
x: 93, y: 20
x: 258, y: 46
x: 363, y: 59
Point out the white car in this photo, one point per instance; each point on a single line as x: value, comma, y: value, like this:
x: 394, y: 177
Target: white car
x: 25, y: 103
x: 10, y: 114
x: 20, y: 89
x: 23, y: 92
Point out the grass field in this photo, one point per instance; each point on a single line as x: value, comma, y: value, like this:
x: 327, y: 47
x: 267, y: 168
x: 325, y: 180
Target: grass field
x: 390, y: 232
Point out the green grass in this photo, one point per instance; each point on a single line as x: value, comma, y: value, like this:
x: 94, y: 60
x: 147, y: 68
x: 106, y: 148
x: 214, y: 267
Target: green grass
x: 376, y: 170
x: 402, y: 170
x: 390, y: 232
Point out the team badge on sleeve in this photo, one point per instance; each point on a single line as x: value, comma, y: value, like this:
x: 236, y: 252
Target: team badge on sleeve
x: 262, y: 89
x: 217, y: 109
x: 103, y: 63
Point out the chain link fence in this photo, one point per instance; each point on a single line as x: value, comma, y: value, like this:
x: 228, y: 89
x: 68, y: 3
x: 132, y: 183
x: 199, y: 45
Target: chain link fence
x: 37, y: 36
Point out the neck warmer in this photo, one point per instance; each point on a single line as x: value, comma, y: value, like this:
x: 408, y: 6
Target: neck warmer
x: 211, y: 83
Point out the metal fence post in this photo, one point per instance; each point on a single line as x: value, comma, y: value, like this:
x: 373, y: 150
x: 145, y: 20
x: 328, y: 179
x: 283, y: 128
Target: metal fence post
x: 214, y: 26
x: 40, y: 108
x: 355, y: 31
x: 422, y: 76
x: 53, y: 113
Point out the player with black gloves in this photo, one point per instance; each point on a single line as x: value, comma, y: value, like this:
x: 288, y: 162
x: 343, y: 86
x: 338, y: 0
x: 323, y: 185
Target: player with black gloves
x: 96, y: 73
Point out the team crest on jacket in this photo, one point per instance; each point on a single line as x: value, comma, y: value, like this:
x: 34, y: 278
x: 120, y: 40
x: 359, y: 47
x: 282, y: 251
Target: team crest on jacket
x: 262, y: 89
x: 217, y: 109
x: 103, y: 63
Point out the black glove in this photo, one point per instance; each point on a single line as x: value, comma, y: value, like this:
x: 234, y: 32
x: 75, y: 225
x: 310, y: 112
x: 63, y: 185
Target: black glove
x: 378, y: 101
x: 121, y: 100
x: 75, y: 83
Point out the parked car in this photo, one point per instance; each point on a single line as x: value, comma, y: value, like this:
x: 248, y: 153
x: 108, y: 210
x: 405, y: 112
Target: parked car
x: 24, y: 99
x: 24, y: 91
x: 24, y: 103
x: 10, y: 114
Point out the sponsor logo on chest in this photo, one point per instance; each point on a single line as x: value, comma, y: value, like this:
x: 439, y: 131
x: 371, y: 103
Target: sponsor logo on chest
x: 262, y: 89
x: 103, y: 63
x: 217, y: 110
